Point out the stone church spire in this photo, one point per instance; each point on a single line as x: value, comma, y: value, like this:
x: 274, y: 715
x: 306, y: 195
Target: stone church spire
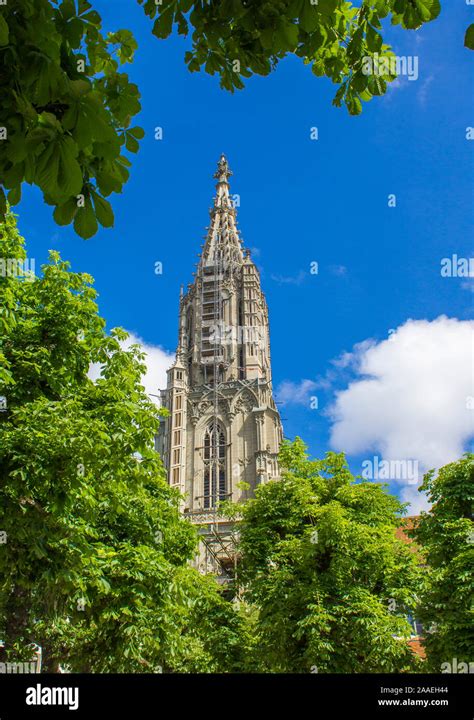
x: 223, y: 433
x: 222, y: 242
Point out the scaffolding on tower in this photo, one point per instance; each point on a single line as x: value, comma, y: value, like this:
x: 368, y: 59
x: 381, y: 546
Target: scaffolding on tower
x: 219, y: 538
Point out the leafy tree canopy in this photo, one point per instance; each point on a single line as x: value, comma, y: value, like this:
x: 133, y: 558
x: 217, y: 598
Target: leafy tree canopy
x: 320, y: 561
x: 68, y: 109
x: 446, y: 535
x: 239, y: 38
x: 94, y: 554
x: 94, y: 551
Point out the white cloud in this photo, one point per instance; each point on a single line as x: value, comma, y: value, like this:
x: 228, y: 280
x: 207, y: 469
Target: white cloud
x: 417, y: 500
x: 409, y: 401
x: 338, y: 269
x: 291, y: 393
x: 157, y: 361
x: 423, y: 91
x: 400, y: 83
x: 290, y: 279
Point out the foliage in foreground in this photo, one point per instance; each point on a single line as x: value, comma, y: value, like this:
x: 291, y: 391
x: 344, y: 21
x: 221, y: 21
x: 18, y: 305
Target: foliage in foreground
x: 320, y: 561
x: 446, y: 535
x: 67, y: 108
x: 239, y: 38
x: 95, y: 567
x: 95, y: 564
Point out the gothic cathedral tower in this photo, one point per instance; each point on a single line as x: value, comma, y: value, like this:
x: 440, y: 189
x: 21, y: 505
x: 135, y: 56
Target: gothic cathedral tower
x: 223, y: 433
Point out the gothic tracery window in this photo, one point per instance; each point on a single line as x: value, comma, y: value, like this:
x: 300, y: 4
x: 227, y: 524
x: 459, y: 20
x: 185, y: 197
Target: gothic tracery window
x: 214, y: 465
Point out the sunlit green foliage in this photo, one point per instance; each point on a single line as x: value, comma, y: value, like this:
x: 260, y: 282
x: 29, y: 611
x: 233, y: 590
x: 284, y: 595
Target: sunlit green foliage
x: 321, y: 563
x: 446, y: 535
x: 95, y: 564
x: 239, y: 38
x: 67, y: 108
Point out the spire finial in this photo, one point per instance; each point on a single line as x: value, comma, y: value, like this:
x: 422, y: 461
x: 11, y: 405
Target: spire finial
x: 223, y: 172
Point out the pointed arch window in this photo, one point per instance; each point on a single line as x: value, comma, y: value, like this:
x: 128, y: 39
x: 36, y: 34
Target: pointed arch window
x: 214, y: 465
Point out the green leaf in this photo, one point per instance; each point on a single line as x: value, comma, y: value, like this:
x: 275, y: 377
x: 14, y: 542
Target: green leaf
x: 359, y: 82
x: 47, y: 168
x: 14, y: 175
x: 374, y: 40
x: 365, y: 95
x: 68, y: 9
x: 327, y: 7
x: 69, y: 178
x: 131, y: 144
x: 107, y: 179
x: 163, y: 24
x: 316, y: 40
x: 267, y: 38
x: 310, y: 18
x: 413, y: 13
x: 103, y: 210
x: 286, y: 36
x: 108, y: 150
x: 85, y: 223
x: 137, y: 132
x: 4, y: 34
x: 469, y: 37
x: 65, y: 213
x: 428, y: 9
x: 74, y: 32
x: 83, y: 5
x: 14, y: 196
x: 105, y: 585
x: 296, y: 8
x: 376, y: 85
x: 339, y: 96
x: 80, y: 87
x: 318, y: 68
x: 93, y: 17
x: 353, y: 104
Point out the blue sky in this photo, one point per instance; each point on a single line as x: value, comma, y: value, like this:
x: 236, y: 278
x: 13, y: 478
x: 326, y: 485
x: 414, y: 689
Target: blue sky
x: 301, y: 201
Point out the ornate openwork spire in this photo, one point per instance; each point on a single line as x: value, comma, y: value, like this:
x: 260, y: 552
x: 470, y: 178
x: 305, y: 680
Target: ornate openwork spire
x: 222, y: 237
x: 223, y: 172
